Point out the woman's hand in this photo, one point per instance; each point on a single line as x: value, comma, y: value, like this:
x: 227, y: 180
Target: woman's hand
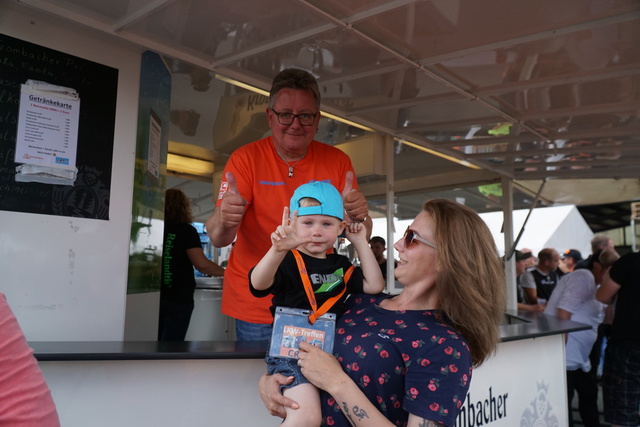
x: 320, y: 368
x: 273, y: 399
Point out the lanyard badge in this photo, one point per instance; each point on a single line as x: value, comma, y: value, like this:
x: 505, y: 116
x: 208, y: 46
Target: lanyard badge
x: 291, y: 326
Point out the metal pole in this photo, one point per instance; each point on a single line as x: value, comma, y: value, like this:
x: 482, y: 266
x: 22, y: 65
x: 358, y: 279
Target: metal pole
x: 509, y: 253
x: 509, y: 261
x: 389, y: 159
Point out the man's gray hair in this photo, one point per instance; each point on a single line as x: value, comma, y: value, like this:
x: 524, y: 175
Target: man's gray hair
x: 294, y: 78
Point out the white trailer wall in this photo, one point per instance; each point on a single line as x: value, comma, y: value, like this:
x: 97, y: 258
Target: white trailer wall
x: 65, y: 278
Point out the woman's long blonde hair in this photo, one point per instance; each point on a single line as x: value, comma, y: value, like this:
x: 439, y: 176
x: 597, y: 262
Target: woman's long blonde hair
x: 470, y: 281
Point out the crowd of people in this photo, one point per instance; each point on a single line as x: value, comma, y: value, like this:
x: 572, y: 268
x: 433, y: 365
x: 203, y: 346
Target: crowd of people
x: 599, y: 291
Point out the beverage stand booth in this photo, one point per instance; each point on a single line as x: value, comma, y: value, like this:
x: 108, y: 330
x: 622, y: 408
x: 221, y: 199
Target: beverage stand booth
x: 205, y: 383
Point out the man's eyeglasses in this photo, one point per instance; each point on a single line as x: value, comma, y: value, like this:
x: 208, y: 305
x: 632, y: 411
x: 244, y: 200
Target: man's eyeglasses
x: 305, y: 119
x: 410, y: 236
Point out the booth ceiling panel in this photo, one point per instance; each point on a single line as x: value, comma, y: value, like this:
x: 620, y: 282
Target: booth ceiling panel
x: 530, y: 90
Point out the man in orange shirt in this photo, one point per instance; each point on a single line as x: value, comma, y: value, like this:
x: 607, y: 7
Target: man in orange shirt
x: 258, y: 182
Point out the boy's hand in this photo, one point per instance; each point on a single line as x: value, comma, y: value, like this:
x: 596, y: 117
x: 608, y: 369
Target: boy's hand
x: 285, y: 238
x: 356, y: 231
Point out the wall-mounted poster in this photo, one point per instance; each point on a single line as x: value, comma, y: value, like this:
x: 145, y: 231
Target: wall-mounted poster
x: 47, y: 140
x: 56, y: 152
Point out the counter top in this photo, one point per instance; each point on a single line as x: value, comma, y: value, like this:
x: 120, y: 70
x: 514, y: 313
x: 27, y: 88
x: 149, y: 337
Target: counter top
x: 522, y: 325
x: 209, y: 282
x: 518, y: 326
x: 146, y: 350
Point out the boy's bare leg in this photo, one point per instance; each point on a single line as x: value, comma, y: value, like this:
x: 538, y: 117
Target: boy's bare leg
x: 309, y: 413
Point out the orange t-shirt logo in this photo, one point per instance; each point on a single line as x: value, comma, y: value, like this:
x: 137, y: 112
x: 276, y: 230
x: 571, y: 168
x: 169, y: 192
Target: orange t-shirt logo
x: 223, y: 189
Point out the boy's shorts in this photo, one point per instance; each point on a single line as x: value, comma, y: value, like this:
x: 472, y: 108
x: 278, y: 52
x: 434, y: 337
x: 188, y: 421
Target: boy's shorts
x: 288, y: 368
x: 621, y: 384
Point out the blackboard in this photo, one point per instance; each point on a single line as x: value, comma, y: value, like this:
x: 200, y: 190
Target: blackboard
x: 96, y: 85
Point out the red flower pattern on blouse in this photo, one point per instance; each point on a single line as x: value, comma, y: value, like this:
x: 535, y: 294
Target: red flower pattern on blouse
x: 423, y: 353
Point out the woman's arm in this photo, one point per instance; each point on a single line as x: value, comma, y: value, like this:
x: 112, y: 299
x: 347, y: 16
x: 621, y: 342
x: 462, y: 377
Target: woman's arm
x: 203, y: 264
x: 275, y: 402
x: 357, y: 408
x: 324, y: 371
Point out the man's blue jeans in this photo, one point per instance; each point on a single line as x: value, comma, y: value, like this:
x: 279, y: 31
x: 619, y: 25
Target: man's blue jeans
x: 247, y: 331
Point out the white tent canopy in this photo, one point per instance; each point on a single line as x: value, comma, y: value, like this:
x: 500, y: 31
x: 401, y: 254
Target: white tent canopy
x: 560, y: 227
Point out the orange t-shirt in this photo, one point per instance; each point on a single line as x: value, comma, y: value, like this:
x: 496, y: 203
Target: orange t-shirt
x: 262, y: 179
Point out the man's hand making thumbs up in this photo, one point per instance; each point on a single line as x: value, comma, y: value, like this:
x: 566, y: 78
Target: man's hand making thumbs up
x: 222, y: 229
x: 354, y: 202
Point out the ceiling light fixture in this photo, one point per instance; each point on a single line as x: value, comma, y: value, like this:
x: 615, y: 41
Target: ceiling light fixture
x: 242, y: 85
x: 435, y: 153
x: 190, y: 160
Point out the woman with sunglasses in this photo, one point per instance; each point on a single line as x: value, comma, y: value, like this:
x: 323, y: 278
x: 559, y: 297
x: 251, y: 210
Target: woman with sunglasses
x: 407, y: 359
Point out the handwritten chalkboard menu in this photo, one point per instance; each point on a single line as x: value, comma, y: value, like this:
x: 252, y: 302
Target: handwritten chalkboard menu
x: 96, y: 84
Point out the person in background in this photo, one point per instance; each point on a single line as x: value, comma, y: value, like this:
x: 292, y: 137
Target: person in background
x: 522, y: 260
x: 598, y: 242
x: 378, y: 246
x: 315, y: 224
x: 182, y: 251
x: 387, y: 369
x: 570, y: 258
x: 574, y: 299
x: 25, y: 398
x: 532, y: 261
x: 539, y: 282
x: 621, y: 373
x: 259, y: 178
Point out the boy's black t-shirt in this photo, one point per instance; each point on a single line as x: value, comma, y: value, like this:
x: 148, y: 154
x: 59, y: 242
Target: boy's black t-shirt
x: 327, y: 279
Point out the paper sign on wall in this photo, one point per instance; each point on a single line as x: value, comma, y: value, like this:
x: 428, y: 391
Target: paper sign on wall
x: 47, y: 139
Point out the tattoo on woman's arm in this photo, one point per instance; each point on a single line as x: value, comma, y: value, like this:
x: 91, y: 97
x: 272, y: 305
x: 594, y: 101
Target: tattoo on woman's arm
x: 428, y: 423
x: 359, y: 413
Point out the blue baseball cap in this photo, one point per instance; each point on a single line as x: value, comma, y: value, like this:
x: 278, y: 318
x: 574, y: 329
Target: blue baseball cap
x: 325, y: 193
